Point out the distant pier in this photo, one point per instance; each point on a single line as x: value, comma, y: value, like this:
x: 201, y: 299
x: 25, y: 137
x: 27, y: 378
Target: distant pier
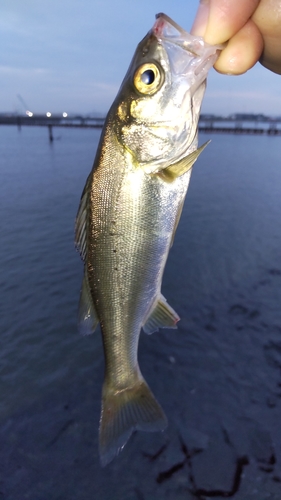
x: 52, y: 120
x: 241, y: 124
x: 239, y: 130
x: 238, y: 123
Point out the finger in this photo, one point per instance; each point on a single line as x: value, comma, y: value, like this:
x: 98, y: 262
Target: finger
x: 271, y: 57
x: 219, y: 20
x: 268, y: 19
x: 242, y: 51
x: 201, y: 19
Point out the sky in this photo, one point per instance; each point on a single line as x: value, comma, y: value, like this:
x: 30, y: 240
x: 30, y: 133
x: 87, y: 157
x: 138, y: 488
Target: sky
x: 71, y: 55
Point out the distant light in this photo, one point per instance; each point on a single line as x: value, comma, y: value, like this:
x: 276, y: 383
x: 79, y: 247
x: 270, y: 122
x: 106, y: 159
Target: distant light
x: 29, y: 113
x: 48, y: 114
x: 64, y: 115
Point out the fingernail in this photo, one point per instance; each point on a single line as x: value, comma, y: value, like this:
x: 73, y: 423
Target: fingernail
x: 201, y: 19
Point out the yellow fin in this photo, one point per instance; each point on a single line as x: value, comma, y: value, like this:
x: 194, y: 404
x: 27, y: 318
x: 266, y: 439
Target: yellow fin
x: 169, y: 174
x: 123, y: 412
x: 161, y: 315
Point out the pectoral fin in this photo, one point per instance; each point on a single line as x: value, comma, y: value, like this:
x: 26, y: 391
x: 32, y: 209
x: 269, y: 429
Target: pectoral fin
x: 169, y: 174
x: 161, y: 316
x: 87, y: 316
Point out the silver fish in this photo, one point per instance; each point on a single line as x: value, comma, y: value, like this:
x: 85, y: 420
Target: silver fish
x: 129, y: 212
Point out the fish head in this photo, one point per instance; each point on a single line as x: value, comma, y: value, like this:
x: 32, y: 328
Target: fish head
x: 156, y: 111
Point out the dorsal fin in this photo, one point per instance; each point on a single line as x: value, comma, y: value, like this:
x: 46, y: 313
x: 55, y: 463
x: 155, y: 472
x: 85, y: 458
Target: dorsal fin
x: 81, y: 221
x: 87, y: 316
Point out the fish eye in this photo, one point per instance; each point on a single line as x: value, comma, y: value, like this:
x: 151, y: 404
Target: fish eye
x: 147, y: 79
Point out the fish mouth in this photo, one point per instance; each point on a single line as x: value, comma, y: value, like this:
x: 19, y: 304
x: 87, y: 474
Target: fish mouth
x: 166, y: 29
x: 201, y: 54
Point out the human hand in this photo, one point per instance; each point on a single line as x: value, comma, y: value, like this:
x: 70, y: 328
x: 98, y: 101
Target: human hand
x: 251, y: 27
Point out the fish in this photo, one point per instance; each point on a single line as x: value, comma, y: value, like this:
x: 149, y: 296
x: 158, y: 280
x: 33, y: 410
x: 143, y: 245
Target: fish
x: 128, y: 215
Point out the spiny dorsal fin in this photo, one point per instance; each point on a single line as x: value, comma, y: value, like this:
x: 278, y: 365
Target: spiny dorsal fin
x: 81, y: 221
x: 169, y: 174
x: 162, y: 315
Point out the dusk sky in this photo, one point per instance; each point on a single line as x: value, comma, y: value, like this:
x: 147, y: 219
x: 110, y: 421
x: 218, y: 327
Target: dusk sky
x: 66, y: 55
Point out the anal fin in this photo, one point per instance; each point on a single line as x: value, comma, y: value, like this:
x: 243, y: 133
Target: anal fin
x: 161, y: 315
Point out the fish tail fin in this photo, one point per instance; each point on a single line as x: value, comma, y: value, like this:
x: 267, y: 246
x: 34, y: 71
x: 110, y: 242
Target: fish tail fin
x: 123, y: 412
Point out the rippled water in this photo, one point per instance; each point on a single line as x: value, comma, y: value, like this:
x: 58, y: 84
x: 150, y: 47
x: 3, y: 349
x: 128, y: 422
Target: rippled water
x: 223, y: 277
x: 40, y: 269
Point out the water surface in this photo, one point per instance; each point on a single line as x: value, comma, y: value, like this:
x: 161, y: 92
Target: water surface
x: 217, y: 377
